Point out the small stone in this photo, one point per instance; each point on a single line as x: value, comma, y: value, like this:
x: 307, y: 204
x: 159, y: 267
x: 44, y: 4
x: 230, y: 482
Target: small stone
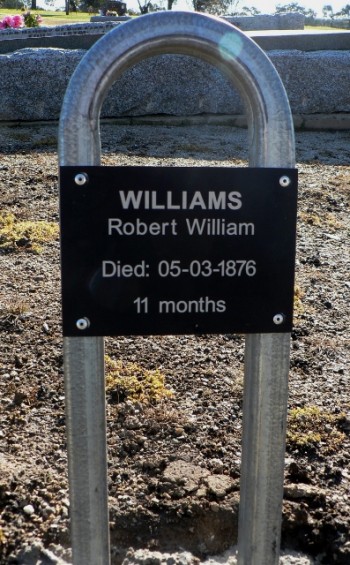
x: 300, y: 490
x: 185, y: 474
x: 29, y: 509
x: 201, y: 492
x: 19, y: 398
x: 23, y: 242
x: 217, y: 465
x: 133, y: 424
x: 214, y: 507
x: 47, y: 511
x: 219, y: 485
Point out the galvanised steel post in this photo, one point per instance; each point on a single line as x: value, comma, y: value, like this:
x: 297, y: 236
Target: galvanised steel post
x: 271, y: 144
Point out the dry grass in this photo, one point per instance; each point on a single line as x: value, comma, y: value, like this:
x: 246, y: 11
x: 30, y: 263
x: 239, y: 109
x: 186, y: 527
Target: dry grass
x: 310, y: 427
x: 298, y: 304
x: 130, y: 381
x: 327, y: 220
x: 25, y: 235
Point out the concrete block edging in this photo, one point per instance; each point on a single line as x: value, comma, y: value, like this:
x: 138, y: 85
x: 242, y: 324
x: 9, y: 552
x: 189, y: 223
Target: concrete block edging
x: 34, y: 81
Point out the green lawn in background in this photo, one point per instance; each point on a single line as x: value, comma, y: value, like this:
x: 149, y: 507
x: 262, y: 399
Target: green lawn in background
x: 326, y: 28
x: 59, y: 18
x: 52, y: 18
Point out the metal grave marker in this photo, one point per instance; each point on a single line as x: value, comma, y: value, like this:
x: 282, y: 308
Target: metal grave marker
x: 173, y: 250
x: 146, y: 268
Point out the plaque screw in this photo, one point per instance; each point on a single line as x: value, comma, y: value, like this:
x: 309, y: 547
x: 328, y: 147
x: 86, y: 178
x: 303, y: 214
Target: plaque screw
x: 285, y: 181
x: 278, y: 319
x: 83, y: 323
x: 81, y: 179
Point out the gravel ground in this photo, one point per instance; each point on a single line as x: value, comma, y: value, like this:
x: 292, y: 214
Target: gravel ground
x: 174, y: 456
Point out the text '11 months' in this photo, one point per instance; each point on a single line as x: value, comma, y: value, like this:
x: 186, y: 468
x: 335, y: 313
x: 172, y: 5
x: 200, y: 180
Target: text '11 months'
x: 173, y: 250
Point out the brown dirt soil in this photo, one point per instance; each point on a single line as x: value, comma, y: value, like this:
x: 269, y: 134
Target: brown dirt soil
x: 174, y: 462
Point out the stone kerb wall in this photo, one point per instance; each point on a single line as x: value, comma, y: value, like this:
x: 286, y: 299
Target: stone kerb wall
x: 34, y: 82
x: 34, y: 79
x: 245, y: 23
x: 267, y: 21
x: 71, y: 36
x: 63, y: 30
x: 82, y: 36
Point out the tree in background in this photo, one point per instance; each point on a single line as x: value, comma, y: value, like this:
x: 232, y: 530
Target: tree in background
x: 21, y: 4
x: 327, y: 11
x: 251, y: 11
x: 170, y: 4
x: 12, y: 4
x: 215, y: 7
x: 246, y: 11
x: 144, y: 8
x: 93, y: 5
x: 295, y: 7
x: 18, y: 4
x: 344, y: 12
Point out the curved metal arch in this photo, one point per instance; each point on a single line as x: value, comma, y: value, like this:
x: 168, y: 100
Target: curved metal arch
x: 205, y: 37
x: 271, y: 139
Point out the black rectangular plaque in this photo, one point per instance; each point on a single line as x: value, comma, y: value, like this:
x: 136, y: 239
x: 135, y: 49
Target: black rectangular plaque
x: 170, y: 250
